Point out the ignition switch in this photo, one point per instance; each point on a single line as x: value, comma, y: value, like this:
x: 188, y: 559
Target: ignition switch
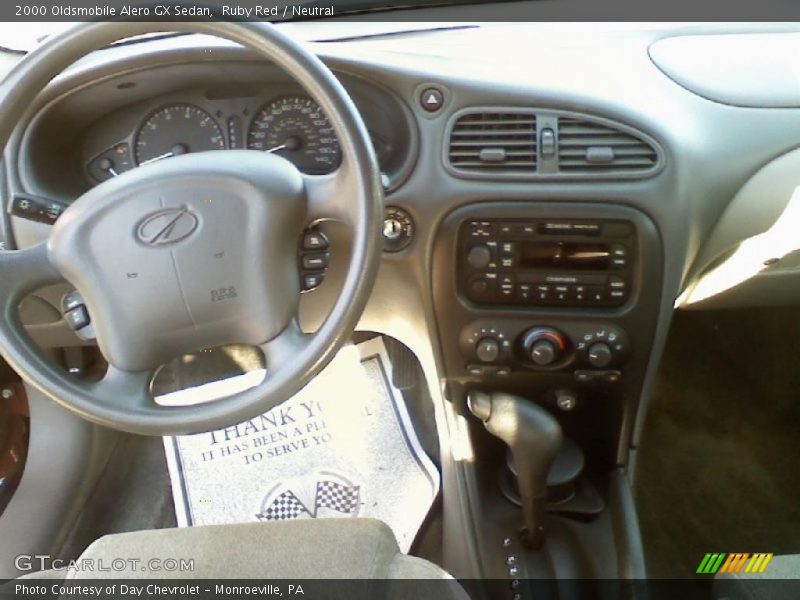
x: 398, y: 229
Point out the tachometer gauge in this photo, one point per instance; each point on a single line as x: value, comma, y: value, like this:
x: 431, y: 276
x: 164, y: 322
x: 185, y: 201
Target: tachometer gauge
x: 176, y: 129
x: 295, y: 128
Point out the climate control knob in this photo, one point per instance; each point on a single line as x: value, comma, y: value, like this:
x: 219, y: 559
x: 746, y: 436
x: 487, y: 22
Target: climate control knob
x: 544, y: 345
x: 487, y: 350
x: 543, y: 353
x: 599, y: 355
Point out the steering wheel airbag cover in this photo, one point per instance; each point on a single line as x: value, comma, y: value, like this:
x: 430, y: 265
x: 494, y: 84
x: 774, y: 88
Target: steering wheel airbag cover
x: 192, y: 252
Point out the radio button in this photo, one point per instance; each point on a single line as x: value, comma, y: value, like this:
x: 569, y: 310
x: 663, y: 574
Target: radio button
x: 506, y: 248
x: 525, y: 291
x: 507, y: 229
x: 479, y: 256
x: 561, y: 293
x: 597, y: 295
x: 507, y: 286
x: 616, y: 283
x: 479, y: 286
x: 507, y: 261
x: 543, y: 292
x: 579, y: 293
x: 480, y: 229
x: 619, y: 255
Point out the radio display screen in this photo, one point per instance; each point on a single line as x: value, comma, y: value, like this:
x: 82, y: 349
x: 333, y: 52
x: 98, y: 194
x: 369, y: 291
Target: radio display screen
x: 563, y: 255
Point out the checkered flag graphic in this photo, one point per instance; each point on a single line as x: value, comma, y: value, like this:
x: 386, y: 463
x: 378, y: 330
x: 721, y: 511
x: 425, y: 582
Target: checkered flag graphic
x: 342, y: 498
x: 285, y: 507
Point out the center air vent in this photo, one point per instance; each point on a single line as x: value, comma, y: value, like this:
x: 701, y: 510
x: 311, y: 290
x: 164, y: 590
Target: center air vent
x: 494, y: 141
x: 589, y: 147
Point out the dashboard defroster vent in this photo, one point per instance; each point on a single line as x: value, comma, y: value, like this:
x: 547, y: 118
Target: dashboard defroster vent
x: 494, y: 141
x: 589, y: 147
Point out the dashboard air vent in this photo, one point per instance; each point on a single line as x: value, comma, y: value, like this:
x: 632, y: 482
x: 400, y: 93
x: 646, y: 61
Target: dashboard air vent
x: 494, y: 141
x: 589, y: 147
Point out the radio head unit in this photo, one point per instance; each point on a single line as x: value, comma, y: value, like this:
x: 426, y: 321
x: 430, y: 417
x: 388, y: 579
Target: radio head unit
x: 546, y: 262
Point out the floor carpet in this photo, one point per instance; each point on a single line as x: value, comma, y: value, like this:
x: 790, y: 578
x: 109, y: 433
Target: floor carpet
x: 718, y: 467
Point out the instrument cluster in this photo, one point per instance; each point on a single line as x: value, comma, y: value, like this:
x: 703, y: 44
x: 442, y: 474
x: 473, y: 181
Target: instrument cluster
x: 284, y: 122
x: 99, y: 131
x: 292, y: 126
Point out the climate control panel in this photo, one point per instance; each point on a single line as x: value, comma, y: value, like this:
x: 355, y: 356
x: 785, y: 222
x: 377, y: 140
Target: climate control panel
x: 592, y: 350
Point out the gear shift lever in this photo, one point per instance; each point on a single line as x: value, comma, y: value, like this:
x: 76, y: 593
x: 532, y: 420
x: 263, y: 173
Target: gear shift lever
x: 534, y: 438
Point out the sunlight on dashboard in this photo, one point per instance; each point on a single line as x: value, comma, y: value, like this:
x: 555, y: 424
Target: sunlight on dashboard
x: 752, y: 256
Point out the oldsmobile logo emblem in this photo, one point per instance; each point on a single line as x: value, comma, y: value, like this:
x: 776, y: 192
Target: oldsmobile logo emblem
x: 167, y: 226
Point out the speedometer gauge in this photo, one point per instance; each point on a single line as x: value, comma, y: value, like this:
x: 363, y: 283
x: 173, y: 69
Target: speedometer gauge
x: 176, y: 129
x: 295, y: 128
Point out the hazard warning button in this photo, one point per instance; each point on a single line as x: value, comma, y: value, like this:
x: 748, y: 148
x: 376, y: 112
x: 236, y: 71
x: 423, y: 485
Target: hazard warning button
x: 431, y: 99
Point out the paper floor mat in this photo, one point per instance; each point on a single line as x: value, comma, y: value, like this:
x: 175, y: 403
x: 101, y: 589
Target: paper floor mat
x: 342, y: 447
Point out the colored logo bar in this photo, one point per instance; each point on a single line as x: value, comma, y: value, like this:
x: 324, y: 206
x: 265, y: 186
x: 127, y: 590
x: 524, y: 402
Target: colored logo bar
x: 737, y: 562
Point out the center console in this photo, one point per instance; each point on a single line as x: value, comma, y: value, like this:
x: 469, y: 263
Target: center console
x: 535, y: 264
x: 555, y: 305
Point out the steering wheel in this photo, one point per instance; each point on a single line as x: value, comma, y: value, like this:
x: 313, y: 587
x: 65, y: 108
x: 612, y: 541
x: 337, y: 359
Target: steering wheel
x: 193, y: 252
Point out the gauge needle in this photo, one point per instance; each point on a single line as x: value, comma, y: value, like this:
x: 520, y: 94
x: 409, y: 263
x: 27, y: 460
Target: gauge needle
x: 157, y: 158
x: 107, y: 165
x: 276, y: 149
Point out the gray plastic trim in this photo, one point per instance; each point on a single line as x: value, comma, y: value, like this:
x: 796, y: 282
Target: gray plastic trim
x: 625, y: 523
